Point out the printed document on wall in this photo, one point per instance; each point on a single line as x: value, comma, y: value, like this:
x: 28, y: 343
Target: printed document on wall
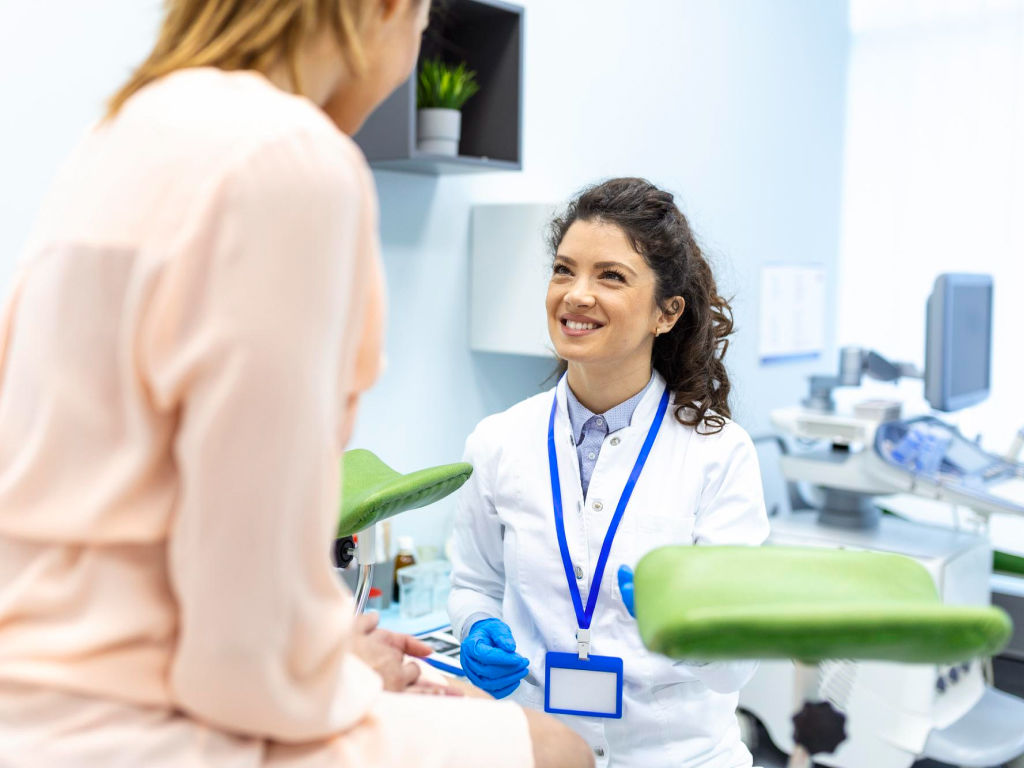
x: 792, y: 312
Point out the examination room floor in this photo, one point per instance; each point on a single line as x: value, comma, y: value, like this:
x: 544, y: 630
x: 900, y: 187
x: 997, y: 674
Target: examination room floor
x: 767, y: 756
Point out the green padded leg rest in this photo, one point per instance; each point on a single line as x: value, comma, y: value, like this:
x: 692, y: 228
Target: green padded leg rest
x: 372, y: 491
x: 807, y: 604
x: 1002, y: 562
x: 1007, y: 562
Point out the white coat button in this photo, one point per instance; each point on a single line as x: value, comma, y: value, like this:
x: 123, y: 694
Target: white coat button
x: 591, y: 455
x: 597, y: 506
x: 600, y: 421
x: 579, y: 572
x: 615, y: 441
x: 599, y: 751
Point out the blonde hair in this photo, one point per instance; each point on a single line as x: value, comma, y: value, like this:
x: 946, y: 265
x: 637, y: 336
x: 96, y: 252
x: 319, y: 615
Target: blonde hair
x: 245, y: 34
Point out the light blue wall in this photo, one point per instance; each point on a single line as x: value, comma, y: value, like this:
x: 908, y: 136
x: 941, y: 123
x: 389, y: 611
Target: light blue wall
x: 60, y: 60
x: 735, y: 105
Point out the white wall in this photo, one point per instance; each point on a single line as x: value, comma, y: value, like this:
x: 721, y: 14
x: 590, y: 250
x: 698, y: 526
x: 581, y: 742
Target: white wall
x: 935, y: 182
x: 735, y: 105
x: 59, y: 62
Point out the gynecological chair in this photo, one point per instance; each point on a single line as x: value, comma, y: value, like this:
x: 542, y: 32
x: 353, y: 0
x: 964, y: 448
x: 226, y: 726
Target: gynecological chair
x: 371, y: 491
x: 809, y: 605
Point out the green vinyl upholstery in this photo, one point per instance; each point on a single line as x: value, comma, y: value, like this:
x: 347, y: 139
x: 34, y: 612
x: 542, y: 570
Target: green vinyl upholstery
x: 1007, y: 562
x: 808, y: 604
x: 372, y: 491
x: 1002, y: 562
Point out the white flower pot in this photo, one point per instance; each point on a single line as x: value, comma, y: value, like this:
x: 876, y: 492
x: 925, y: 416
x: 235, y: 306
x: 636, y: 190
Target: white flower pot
x: 438, y: 130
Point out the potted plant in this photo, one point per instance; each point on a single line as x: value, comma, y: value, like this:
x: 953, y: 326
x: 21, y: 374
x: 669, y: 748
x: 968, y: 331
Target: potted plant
x: 441, y: 91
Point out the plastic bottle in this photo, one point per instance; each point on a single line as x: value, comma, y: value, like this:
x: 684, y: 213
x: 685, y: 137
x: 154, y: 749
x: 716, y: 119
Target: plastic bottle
x: 405, y: 557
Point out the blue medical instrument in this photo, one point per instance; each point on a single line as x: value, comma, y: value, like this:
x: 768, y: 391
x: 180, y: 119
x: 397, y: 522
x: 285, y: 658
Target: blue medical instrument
x: 931, y: 458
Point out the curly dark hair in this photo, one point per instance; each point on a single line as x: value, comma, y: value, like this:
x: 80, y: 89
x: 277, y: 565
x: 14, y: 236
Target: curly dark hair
x: 690, y: 356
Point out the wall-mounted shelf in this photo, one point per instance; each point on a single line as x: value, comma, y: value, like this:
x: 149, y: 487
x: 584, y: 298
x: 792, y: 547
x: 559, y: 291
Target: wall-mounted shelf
x: 488, y: 36
x: 419, y: 162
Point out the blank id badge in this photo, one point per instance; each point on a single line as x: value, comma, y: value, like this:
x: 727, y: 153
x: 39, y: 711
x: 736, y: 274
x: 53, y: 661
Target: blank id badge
x: 573, y: 686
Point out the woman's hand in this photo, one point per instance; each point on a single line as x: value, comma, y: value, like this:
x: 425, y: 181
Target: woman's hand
x: 384, y: 652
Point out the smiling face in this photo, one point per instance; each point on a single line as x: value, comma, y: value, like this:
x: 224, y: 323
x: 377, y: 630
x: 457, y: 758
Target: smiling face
x: 601, y: 299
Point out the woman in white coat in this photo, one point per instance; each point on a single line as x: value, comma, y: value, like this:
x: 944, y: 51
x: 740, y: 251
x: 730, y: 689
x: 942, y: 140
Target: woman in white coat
x: 632, y: 450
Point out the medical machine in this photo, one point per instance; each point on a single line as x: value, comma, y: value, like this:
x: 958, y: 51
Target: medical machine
x: 958, y: 358
x: 958, y: 352
x: 947, y: 712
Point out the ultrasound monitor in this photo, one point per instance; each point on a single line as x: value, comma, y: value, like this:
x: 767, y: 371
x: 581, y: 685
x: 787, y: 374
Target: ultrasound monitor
x: 958, y: 348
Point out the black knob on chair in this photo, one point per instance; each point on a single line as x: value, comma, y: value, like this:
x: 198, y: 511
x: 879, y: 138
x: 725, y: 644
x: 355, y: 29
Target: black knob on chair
x: 344, y: 551
x: 819, y: 727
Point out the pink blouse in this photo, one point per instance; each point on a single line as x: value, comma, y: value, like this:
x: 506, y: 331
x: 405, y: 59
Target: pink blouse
x: 180, y: 359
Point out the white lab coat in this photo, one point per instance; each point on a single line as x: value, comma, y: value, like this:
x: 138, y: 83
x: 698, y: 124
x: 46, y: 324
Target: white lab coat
x: 695, y: 489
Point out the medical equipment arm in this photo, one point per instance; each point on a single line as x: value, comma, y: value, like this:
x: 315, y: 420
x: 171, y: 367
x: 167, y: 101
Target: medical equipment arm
x: 1013, y: 453
x: 253, y: 371
x: 478, y: 565
x: 854, y: 364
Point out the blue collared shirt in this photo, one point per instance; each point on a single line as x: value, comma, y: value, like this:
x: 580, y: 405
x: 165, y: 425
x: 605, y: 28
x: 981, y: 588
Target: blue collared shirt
x: 589, y: 429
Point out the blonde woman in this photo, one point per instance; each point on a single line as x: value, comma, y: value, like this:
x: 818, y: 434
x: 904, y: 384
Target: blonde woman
x: 180, y: 358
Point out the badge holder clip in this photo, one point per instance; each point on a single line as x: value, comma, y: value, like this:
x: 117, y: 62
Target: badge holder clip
x: 583, y: 643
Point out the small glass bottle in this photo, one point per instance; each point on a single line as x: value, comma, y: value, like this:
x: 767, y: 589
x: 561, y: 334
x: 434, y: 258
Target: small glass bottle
x: 405, y: 557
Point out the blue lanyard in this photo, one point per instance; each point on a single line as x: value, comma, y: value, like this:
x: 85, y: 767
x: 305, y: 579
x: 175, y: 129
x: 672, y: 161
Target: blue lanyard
x: 584, y: 617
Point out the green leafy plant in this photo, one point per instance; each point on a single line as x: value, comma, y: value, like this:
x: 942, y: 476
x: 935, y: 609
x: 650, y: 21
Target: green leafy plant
x: 442, y: 86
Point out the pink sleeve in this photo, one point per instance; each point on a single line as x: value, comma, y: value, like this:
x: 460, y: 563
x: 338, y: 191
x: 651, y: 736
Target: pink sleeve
x: 249, y: 337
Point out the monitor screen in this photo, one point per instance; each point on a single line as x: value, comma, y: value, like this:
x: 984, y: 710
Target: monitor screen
x: 958, y: 355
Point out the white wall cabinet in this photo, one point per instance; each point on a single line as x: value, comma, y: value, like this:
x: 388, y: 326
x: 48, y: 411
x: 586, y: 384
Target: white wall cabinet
x: 509, y: 269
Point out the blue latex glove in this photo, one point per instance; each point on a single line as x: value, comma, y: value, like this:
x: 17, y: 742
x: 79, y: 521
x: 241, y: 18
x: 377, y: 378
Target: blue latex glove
x: 626, y: 587
x: 489, y: 658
